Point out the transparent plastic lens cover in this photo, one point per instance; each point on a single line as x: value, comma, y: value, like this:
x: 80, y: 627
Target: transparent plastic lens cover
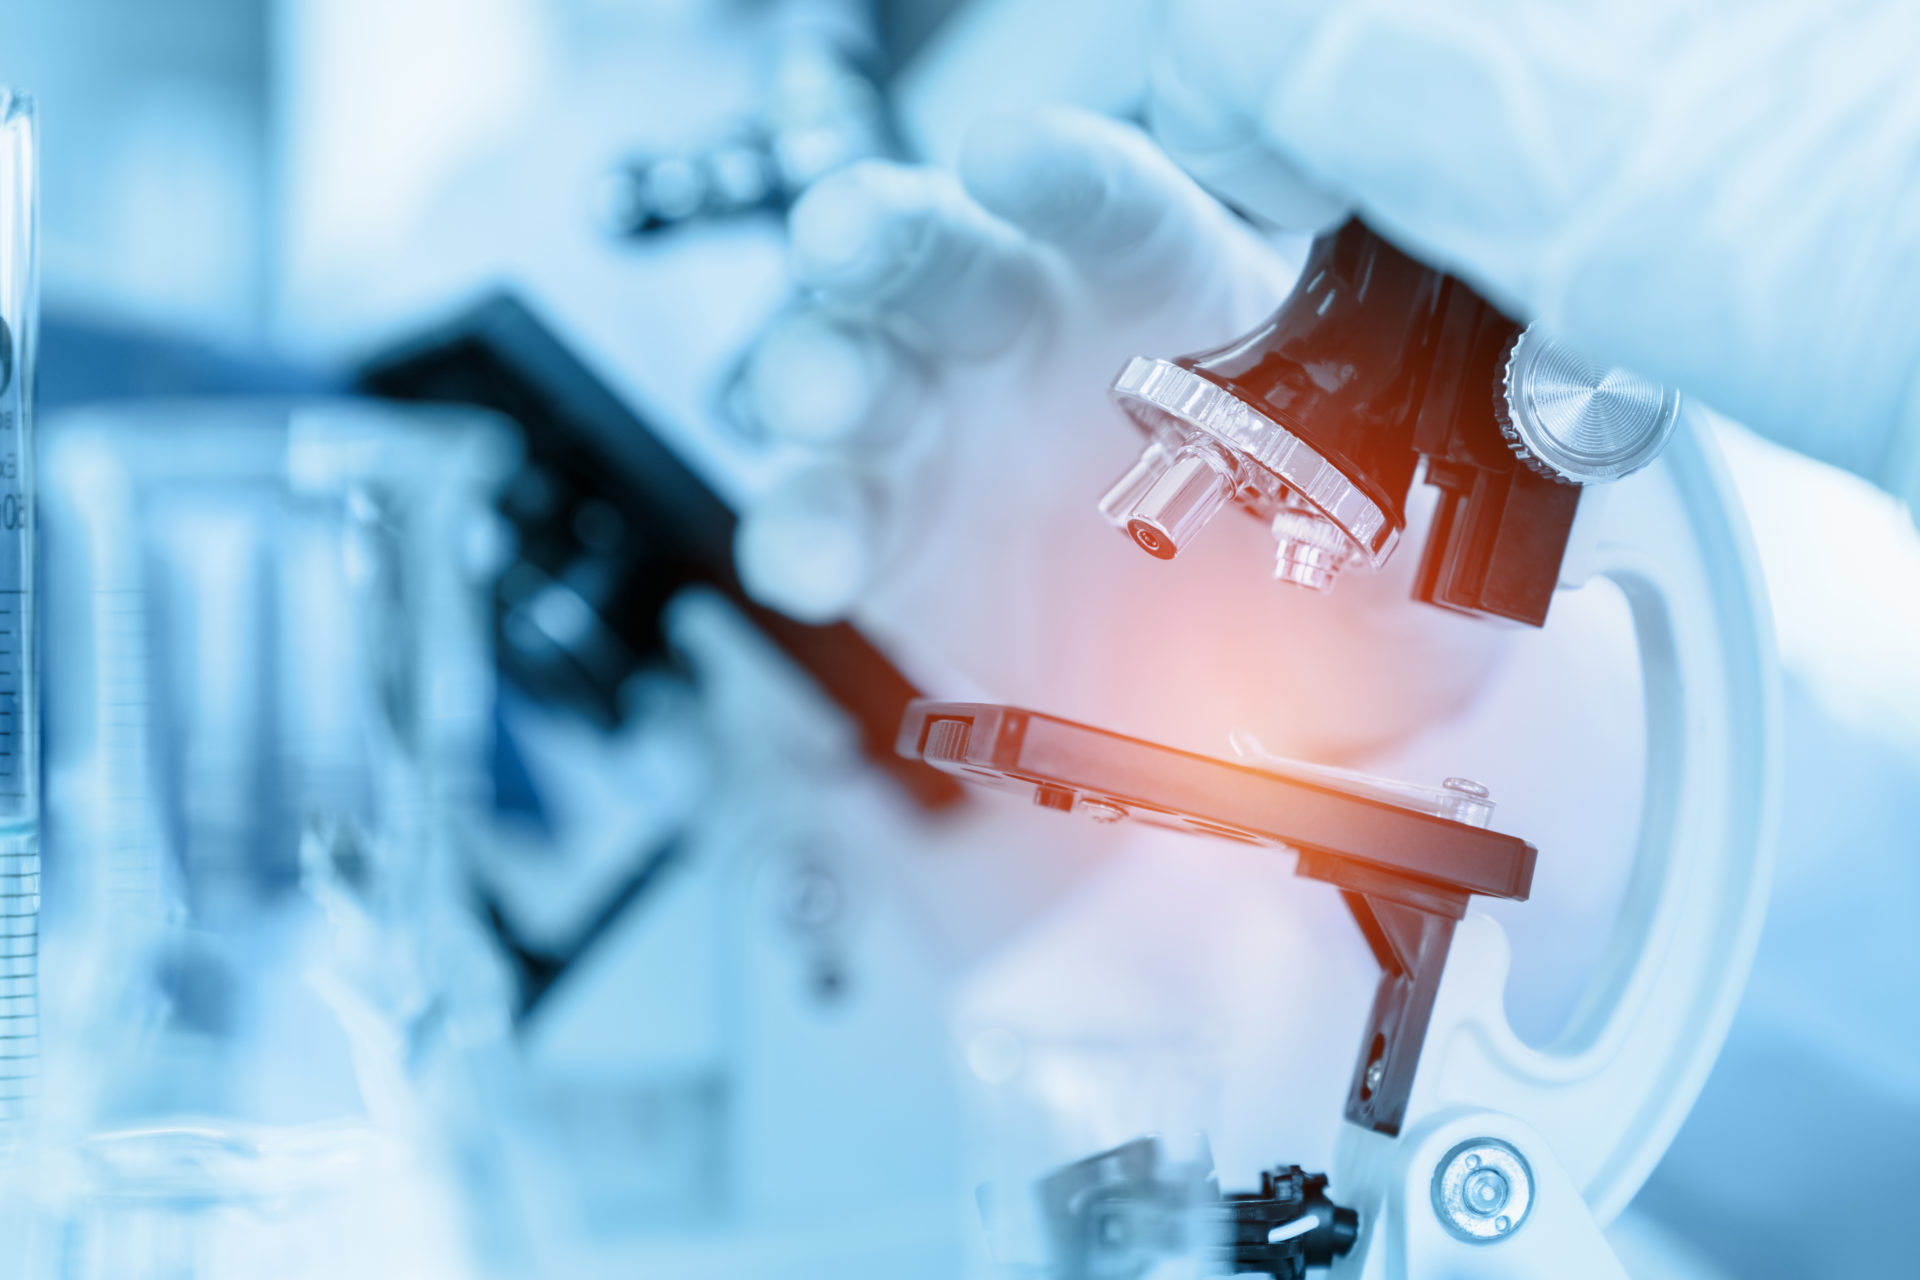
x: 1458, y: 799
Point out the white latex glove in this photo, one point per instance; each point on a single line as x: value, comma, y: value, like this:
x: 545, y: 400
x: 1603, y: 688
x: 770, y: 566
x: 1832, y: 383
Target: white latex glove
x: 1720, y: 194
x: 950, y: 381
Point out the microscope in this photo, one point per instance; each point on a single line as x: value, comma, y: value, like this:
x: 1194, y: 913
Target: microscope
x: 1376, y: 371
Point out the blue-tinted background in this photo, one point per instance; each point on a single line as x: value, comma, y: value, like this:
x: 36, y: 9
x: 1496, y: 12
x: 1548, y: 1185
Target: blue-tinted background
x: 252, y: 196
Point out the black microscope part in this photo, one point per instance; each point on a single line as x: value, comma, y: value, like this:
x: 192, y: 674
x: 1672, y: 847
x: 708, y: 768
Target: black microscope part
x: 1118, y: 1213
x: 1343, y: 361
x: 1501, y: 530
x: 1377, y: 361
x: 1287, y: 1195
x: 1405, y: 875
x: 610, y: 525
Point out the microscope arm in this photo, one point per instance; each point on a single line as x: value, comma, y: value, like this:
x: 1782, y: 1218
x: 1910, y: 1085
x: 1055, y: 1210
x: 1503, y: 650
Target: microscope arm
x: 1586, y: 1117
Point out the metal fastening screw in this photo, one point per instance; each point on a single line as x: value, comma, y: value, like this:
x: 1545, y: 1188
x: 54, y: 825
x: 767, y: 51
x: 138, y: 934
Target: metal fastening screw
x: 1482, y: 1190
x: 1467, y: 787
x: 1376, y: 1072
x: 1102, y: 811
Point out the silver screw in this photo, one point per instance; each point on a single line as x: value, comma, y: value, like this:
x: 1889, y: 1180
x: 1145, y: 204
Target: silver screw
x: 1376, y: 1072
x: 1482, y: 1190
x: 1467, y: 787
x: 1102, y: 810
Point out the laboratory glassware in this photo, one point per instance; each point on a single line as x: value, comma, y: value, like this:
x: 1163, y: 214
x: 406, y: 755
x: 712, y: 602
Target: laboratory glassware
x: 268, y: 716
x: 19, y: 726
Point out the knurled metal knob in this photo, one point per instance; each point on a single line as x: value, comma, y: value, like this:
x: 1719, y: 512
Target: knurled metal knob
x: 1578, y: 422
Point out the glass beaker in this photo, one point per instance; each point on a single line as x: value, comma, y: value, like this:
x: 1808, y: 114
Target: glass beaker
x: 270, y: 665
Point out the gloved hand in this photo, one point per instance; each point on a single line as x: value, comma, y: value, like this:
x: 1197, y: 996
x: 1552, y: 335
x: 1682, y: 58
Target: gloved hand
x: 1717, y: 194
x: 948, y: 383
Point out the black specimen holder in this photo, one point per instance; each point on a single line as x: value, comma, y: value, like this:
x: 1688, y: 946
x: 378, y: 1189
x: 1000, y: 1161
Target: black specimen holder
x: 608, y: 526
x: 1116, y: 1213
x: 1405, y: 874
x: 1373, y: 363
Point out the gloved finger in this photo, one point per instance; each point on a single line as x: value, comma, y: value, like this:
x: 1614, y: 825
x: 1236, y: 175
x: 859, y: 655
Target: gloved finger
x: 821, y: 381
x: 1107, y: 198
x: 807, y: 549
x: 907, y: 244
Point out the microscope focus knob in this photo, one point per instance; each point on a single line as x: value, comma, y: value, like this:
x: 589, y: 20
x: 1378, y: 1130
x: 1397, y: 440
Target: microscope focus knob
x: 1575, y: 421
